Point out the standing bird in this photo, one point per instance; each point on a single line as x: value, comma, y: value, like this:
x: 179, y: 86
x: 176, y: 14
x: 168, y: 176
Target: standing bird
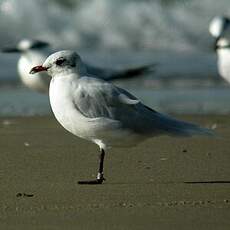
x: 102, y: 113
x: 34, y: 52
x: 219, y: 28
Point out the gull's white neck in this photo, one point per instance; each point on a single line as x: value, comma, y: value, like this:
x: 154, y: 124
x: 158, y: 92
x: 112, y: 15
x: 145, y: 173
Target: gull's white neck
x: 61, y: 93
x: 68, y: 74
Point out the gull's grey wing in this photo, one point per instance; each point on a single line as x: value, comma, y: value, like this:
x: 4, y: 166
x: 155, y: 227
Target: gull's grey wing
x: 111, y: 74
x: 96, y: 98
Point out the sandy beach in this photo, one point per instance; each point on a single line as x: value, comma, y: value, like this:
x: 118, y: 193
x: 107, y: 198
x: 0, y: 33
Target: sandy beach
x: 144, y: 189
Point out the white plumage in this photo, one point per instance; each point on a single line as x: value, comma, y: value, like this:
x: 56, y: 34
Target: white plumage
x: 219, y: 28
x: 100, y: 112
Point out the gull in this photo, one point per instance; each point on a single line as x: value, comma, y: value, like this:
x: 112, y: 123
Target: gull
x: 34, y: 52
x: 100, y: 112
x: 223, y: 58
x: 220, y: 29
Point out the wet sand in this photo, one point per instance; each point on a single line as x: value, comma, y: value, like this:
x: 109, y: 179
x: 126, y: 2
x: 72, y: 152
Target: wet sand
x: 145, y: 187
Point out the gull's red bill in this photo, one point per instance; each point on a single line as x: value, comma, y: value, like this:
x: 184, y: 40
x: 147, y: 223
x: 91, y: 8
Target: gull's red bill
x: 37, y: 69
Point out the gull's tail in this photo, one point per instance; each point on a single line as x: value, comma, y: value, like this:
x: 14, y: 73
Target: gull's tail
x: 165, y: 124
x: 184, y: 129
x: 181, y: 128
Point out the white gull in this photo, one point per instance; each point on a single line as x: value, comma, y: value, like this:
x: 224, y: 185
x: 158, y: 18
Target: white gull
x: 102, y: 113
x: 219, y: 28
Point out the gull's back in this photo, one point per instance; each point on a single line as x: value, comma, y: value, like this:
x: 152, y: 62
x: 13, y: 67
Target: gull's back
x: 98, y: 99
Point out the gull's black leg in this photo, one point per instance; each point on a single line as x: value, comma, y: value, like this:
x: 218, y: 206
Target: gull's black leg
x: 101, y: 166
x: 100, y: 178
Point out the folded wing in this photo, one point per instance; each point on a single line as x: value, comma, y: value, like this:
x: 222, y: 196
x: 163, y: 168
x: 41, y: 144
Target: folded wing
x: 96, y: 98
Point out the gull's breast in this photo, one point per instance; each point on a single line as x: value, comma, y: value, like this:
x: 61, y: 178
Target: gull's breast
x: 224, y: 64
x: 101, y: 130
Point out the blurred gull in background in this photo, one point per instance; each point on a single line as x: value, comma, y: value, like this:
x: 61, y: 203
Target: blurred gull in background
x: 219, y: 28
x: 223, y: 61
x: 34, y: 52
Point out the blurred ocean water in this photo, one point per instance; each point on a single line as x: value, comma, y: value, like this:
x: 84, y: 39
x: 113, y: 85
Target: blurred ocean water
x: 181, y: 83
x: 108, y: 24
x: 117, y: 34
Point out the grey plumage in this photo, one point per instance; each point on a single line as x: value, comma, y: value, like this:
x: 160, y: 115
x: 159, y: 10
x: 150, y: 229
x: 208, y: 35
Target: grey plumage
x: 95, y: 98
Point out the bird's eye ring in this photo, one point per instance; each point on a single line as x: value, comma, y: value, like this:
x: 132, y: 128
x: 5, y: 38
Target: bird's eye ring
x: 60, y: 61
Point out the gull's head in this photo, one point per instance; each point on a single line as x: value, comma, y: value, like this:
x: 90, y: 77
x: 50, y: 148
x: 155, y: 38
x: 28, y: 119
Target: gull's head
x: 61, y: 62
x: 25, y: 45
x: 218, y: 25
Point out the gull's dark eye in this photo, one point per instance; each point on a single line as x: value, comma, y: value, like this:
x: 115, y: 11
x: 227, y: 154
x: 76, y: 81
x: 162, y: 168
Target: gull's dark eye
x: 60, y: 61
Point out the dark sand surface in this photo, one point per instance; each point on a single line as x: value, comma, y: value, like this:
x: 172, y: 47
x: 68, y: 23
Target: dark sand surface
x: 41, y: 164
